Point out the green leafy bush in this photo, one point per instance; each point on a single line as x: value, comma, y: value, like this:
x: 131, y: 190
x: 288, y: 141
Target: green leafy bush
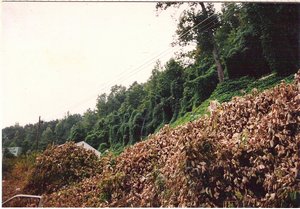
x: 277, y: 26
x: 102, y: 147
x: 243, y: 54
x: 198, y: 89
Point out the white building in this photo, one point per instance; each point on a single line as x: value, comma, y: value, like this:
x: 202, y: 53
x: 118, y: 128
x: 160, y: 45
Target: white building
x: 16, y: 151
x: 88, y: 147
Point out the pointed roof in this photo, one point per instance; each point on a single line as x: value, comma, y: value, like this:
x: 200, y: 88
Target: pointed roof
x: 88, y: 147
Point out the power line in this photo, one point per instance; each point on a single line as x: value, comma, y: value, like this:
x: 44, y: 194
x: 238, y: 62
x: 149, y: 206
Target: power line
x: 184, y: 33
x: 180, y: 36
x: 151, y: 60
x: 161, y: 53
x: 146, y: 64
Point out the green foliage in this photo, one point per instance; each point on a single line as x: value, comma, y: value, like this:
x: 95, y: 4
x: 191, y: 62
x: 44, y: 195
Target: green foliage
x: 278, y: 29
x: 144, y: 107
x: 252, y: 40
x: 117, y: 149
x: 7, y: 154
x: 56, y: 131
x: 240, y: 43
x: 198, y: 89
x: 47, y: 137
x: 238, y: 63
x: 78, y: 132
x: 63, y: 127
x: 269, y: 82
x: 92, y: 139
x: 192, y: 17
x: 102, y: 147
x: 224, y: 92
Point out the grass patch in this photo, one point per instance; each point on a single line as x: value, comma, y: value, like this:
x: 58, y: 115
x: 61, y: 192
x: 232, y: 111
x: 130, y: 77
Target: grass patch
x: 225, y: 91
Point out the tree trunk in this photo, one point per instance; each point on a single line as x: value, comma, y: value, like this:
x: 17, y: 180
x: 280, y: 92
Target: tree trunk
x: 215, y: 49
x: 218, y: 64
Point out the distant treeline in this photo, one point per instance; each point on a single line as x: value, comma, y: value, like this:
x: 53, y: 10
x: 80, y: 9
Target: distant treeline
x: 243, y: 40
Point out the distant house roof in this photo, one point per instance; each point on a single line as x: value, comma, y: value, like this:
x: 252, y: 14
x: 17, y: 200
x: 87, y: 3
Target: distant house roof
x: 16, y: 151
x: 88, y: 147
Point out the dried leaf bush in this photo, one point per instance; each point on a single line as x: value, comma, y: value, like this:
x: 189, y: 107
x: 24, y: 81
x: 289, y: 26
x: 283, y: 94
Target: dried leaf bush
x: 247, y: 152
x: 60, y: 166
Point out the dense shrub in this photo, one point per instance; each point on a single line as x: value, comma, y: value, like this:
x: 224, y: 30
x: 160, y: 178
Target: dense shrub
x: 8, y: 162
x: 198, y: 89
x: 16, y: 177
x: 243, y: 54
x: 59, y: 166
x: 249, y: 61
x: 278, y: 30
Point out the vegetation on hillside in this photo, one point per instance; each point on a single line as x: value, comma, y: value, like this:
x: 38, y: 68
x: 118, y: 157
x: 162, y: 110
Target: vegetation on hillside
x: 224, y: 92
x: 249, y: 40
x: 16, y: 172
x: 243, y: 151
x: 245, y: 154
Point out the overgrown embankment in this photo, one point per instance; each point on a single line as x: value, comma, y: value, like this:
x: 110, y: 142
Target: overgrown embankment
x: 225, y: 91
x: 246, y: 153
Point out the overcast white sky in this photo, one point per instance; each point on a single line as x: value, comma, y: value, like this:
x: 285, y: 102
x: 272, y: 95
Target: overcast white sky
x: 57, y: 57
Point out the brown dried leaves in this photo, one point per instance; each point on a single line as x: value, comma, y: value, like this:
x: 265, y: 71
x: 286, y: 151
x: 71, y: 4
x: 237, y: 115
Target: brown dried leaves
x: 60, y: 166
x: 246, y: 151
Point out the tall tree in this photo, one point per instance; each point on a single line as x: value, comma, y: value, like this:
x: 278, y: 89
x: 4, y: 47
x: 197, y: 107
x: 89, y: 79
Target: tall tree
x: 215, y: 49
x: 278, y: 26
x: 47, y: 138
x: 199, y: 25
x: 239, y: 41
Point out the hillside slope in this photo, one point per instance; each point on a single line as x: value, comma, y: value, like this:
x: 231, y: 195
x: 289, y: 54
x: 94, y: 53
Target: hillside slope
x: 225, y: 91
x: 246, y: 152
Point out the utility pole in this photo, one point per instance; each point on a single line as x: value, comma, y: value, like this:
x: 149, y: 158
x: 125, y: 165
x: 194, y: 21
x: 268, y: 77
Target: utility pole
x: 38, y: 134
